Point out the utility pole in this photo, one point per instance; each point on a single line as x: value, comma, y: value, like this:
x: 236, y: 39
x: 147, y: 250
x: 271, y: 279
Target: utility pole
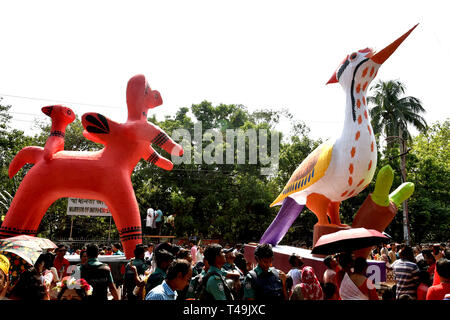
x: 109, y: 231
x: 71, y: 228
x: 403, y: 152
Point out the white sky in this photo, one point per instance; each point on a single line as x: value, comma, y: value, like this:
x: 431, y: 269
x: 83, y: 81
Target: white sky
x: 262, y: 54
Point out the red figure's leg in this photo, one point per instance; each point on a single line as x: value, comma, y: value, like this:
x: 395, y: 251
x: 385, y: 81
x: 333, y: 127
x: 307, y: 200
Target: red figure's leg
x: 125, y: 211
x: 27, y: 209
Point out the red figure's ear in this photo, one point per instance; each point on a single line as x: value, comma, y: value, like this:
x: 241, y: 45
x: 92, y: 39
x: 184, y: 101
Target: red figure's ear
x: 47, y: 110
x: 98, y: 128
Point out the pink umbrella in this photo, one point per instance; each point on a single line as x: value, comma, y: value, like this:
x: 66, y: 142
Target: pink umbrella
x: 348, y: 240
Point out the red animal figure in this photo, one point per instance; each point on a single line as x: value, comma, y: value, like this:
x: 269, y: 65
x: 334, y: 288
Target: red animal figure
x: 61, y: 117
x: 102, y: 175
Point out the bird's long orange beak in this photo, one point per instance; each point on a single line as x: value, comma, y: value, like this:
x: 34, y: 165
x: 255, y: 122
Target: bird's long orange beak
x: 383, y: 55
x: 333, y: 79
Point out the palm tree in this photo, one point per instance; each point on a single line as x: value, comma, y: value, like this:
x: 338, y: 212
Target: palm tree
x: 391, y: 116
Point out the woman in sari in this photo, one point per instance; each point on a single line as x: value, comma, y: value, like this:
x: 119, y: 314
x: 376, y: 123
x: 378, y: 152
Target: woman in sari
x: 357, y: 286
x: 309, y: 288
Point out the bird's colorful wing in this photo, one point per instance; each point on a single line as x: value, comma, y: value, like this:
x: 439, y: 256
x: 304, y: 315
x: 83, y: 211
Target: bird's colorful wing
x: 311, y: 170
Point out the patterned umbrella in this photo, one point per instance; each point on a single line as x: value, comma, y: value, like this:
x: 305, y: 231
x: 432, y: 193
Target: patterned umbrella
x: 17, y: 266
x: 22, y: 252
x: 41, y: 242
x: 27, y: 250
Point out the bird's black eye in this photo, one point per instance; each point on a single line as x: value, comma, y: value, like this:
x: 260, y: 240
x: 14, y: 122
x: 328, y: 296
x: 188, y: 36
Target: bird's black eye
x: 353, y: 56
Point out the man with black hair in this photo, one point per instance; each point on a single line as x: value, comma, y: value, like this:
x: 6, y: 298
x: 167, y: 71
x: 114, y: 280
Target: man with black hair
x: 438, y: 292
x: 215, y: 286
x: 98, y: 275
x: 430, y: 260
x: 265, y: 282
x: 436, y: 279
x: 116, y: 249
x: 406, y: 273
x: 129, y: 276
x: 149, y: 252
x: 330, y: 291
x: 163, y: 260
x: 295, y: 273
x: 178, y: 276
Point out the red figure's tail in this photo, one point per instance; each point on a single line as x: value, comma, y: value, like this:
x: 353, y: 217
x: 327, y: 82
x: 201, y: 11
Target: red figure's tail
x: 26, y: 155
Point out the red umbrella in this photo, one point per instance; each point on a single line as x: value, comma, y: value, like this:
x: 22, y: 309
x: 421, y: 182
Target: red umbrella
x: 348, y: 240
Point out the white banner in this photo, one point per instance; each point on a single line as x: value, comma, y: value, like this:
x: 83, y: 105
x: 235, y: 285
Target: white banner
x: 87, y: 207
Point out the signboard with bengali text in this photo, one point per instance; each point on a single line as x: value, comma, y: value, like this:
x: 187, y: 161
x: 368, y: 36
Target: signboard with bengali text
x: 87, y: 207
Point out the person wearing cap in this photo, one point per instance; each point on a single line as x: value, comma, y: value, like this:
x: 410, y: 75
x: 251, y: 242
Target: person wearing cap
x: 265, y: 282
x: 229, y: 265
x: 216, y: 286
x: 4, y: 280
x: 233, y: 274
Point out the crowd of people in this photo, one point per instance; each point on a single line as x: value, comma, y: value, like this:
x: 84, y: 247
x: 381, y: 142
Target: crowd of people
x: 207, y: 273
x: 413, y: 274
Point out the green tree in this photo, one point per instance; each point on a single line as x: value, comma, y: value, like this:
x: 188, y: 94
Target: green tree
x: 391, y: 115
x: 11, y: 141
x: 429, y: 165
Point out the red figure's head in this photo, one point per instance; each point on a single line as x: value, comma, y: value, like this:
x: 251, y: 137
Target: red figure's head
x: 61, y: 116
x: 140, y: 98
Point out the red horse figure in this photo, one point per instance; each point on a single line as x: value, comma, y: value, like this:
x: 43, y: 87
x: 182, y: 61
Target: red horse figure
x: 102, y: 175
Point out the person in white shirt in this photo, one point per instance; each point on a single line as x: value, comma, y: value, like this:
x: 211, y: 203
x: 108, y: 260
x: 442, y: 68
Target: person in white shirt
x: 295, y: 273
x: 199, y: 254
x: 150, y: 220
x: 149, y: 252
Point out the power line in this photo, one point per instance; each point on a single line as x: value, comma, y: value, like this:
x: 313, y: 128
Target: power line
x: 116, y: 107
x: 27, y: 113
x: 21, y: 120
x: 60, y: 101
